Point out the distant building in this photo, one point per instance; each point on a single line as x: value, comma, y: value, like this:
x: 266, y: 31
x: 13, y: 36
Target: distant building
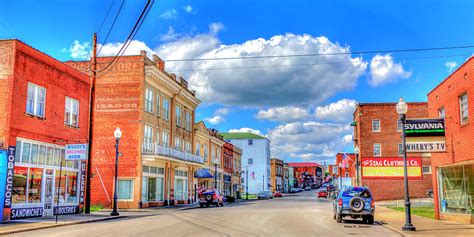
x: 306, y: 173
x: 286, y: 178
x: 453, y: 178
x: 255, y: 159
x: 377, y: 133
x: 276, y: 173
x: 237, y: 170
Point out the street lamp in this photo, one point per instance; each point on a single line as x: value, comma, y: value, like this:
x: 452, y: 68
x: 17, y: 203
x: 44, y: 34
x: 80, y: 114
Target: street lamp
x: 215, y: 172
x: 117, y: 135
x: 356, y: 152
x: 402, y: 109
x: 247, y: 184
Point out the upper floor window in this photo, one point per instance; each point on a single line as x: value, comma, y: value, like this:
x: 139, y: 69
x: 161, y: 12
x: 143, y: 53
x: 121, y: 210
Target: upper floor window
x: 158, y: 111
x: 177, y: 143
x: 188, y: 121
x: 148, y: 135
x: 463, y: 108
x: 198, y: 149
x: 377, y: 149
x: 148, y: 100
x: 165, y: 139
x: 205, y: 152
x: 426, y: 169
x: 250, y: 141
x: 166, y: 109
x: 187, y: 146
x: 35, y: 103
x: 71, y: 116
x: 250, y: 161
x: 178, y: 116
x: 441, y: 113
x: 376, y: 125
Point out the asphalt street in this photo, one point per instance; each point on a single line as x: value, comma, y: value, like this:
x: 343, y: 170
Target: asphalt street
x: 298, y: 214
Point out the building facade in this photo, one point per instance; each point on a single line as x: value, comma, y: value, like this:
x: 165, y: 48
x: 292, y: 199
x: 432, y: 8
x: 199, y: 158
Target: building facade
x: 237, y: 171
x: 377, y: 133
x: 286, y: 178
x: 306, y: 173
x: 44, y: 106
x: 255, y: 159
x: 276, y: 174
x: 155, y: 111
x: 453, y: 170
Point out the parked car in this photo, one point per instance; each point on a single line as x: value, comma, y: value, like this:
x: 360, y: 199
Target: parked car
x: 277, y: 194
x: 307, y: 188
x: 315, y: 186
x: 265, y: 195
x: 356, y: 202
x: 211, y: 196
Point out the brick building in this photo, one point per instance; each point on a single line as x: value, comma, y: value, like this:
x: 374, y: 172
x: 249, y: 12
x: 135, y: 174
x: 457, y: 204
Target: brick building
x: 454, y: 170
x: 155, y: 111
x: 44, y: 105
x: 348, y: 171
x: 227, y: 163
x: 237, y: 172
x: 276, y: 174
x: 377, y: 133
x: 306, y: 173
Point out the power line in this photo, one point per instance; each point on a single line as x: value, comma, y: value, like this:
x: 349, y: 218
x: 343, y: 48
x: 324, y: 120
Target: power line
x: 307, y: 64
x: 106, y: 15
x: 324, y: 54
x: 111, y: 26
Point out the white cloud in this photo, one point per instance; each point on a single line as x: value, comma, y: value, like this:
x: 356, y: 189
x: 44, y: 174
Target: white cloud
x: 451, y: 65
x: 340, y: 111
x: 283, y: 114
x: 170, y: 14
x: 347, y: 139
x: 250, y: 130
x: 250, y: 85
x: 170, y: 35
x: 188, y: 8
x: 214, y: 28
x: 219, y: 116
x: 79, y: 51
x: 384, y: 70
x: 134, y: 48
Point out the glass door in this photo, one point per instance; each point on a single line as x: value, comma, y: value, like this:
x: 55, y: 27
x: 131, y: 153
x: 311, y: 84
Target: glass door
x: 48, y: 196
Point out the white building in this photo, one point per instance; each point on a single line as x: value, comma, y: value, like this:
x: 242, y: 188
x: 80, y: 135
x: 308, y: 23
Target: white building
x: 255, y: 160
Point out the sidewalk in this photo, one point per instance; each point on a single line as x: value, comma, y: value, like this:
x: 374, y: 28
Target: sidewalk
x: 394, y: 220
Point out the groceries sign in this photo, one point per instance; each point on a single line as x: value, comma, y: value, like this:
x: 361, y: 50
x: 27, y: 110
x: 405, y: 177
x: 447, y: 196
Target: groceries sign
x: 390, y: 168
x: 76, y: 152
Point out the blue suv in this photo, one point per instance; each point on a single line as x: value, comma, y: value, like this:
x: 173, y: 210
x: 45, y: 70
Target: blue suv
x: 356, y: 202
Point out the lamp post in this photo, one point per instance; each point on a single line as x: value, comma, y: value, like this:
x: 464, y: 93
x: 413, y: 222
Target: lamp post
x: 215, y: 172
x: 247, y: 184
x: 117, y: 135
x: 402, y: 109
x: 357, y: 164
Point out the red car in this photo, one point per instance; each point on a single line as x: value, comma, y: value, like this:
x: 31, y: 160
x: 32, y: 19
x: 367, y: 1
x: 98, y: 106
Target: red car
x: 322, y: 193
x: 277, y: 194
x: 211, y: 196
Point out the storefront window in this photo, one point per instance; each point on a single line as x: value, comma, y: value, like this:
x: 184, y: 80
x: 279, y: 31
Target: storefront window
x: 456, y: 186
x: 42, y: 155
x: 34, y: 188
x: 152, y: 189
x: 34, y: 154
x: 25, y: 153
x: 71, y: 186
x: 60, y: 186
x: 159, y: 189
x: 145, y: 189
x: 49, y: 156
x: 125, y: 189
x: 19, y: 184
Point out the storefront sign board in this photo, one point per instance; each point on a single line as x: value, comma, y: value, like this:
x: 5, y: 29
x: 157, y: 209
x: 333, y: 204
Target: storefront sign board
x: 390, y: 168
x: 424, y: 128
x: 76, y: 152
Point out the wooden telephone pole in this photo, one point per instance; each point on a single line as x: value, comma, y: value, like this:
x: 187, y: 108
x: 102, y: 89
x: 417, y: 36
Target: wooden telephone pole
x: 87, y: 203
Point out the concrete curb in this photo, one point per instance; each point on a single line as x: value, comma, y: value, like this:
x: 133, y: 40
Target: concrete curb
x: 391, y: 228
x: 62, y: 224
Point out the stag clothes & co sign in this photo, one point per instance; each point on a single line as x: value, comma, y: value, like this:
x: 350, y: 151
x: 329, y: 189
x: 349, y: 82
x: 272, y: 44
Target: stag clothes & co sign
x: 390, y: 168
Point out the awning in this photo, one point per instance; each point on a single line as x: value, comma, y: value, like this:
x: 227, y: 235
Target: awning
x: 203, y: 173
x: 354, y: 123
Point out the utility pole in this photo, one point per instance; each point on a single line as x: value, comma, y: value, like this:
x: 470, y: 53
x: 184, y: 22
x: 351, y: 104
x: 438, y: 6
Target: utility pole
x: 247, y: 184
x: 263, y: 182
x: 87, y: 203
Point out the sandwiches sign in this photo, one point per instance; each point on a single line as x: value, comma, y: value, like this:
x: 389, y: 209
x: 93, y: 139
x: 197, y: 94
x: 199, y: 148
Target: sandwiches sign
x: 424, y: 128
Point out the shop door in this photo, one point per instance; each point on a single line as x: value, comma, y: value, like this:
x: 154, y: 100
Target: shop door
x: 48, y: 196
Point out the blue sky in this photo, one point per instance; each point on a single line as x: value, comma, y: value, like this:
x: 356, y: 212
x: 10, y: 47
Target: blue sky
x: 303, y: 109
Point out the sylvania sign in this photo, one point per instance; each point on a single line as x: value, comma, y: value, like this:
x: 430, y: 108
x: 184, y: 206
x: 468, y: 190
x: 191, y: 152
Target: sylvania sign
x: 390, y: 168
x: 424, y: 128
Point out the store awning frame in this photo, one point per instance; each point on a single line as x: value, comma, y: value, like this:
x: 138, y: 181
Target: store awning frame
x: 203, y: 173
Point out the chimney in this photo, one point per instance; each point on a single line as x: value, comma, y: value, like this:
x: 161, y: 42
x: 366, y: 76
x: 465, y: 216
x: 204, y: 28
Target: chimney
x: 143, y: 53
x: 183, y: 83
x: 159, y: 62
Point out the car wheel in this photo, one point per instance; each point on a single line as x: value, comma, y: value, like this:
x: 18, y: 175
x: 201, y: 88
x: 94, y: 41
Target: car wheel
x: 201, y: 205
x: 217, y: 204
x: 370, y: 220
x: 207, y: 205
x: 338, y: 218
x: 334, y: 216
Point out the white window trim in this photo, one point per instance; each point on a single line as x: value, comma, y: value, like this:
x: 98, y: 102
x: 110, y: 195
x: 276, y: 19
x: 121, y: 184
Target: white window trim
x: 426, y: 172
x: 70, y: 117
x: 147, y: 100
x: 463, y: 121
x: 166, y: 109
x: 380, y: 127
x: 444, y: 112
x: 167, y: 136
x: 133, y: 189
x: 380, y: 145
x: 36, y: 99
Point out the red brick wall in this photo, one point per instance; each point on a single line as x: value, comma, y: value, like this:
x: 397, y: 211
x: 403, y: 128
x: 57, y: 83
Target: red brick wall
x: 459, y: 138
x: 6, y: 80
x: 118, y: 103
x: 351, y: 166
x: 389, y: 138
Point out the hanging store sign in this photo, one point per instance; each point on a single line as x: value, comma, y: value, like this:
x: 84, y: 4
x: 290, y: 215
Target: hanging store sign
x: 66, y: 210
x: 425, y: 144
x: 9, y: 176
x: 424, y: 128
x: 76, y: 152
x: 390, y: 168
x: 20, y: 213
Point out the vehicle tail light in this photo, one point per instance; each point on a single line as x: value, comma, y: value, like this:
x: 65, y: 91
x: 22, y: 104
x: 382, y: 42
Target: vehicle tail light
x: 215, y: 196
x: 339, y: 202
x: 372, y: 204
